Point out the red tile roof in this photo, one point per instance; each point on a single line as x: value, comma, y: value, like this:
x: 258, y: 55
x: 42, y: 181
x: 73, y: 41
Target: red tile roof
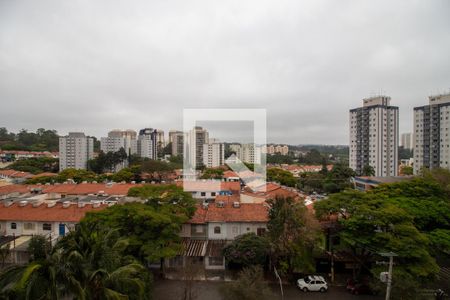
x: 72, y: 189
x: 15, y: 174
x: 228, y: 174
x: 209, y: 185
x: 246, y: 212
x: 45, y: 174
x: 13, y: 188
x: 43, y: 213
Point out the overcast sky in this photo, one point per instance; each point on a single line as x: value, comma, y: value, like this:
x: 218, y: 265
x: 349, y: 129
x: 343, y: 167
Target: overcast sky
x: 97, y: 65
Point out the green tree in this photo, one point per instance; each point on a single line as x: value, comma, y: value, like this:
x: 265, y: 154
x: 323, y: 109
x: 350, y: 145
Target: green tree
x: 371, y: 224
x: 36, y: 165
x: 212, y: 173
x: 39, y: 247
x: 247, y: 249
x: 152, y: 228
x: 86, y: 264
x: 368, y: 170
x: 282, y: 176
x: 294, y: 235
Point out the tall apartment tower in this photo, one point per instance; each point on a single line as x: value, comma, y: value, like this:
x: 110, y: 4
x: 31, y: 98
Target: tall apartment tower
x: 249, y: 153
x: 406, y: 141
x: 177, y: 140
x: 117, y: 139
x: 431, y: 134
x: 75, y: 150
x: 374, y: 136
x: 194, y: 146
x: 147, y: 146
x: 213, y: 154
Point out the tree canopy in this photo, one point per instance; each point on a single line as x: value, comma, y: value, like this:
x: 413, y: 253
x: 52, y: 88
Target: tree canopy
x: 410, y: 218
x: 41, y: 140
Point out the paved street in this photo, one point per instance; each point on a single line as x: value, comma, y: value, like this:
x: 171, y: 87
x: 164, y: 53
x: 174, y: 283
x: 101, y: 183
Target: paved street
x: 208, y: 290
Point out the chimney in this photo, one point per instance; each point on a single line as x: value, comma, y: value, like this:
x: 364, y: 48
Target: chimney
x: 66, y: 204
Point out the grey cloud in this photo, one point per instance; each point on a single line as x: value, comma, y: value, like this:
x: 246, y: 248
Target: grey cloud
x: 97, y: 65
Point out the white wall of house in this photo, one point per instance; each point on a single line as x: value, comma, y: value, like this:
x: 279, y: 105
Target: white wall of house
x: 205, y: 195
x: 235, y: 229
x: 215, y: 235
x: 33, y: 228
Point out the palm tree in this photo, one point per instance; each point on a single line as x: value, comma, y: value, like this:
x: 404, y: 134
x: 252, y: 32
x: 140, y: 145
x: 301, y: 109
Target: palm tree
x: 86, y: 264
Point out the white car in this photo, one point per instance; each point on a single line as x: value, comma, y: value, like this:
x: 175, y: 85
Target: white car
x: 312, y: 283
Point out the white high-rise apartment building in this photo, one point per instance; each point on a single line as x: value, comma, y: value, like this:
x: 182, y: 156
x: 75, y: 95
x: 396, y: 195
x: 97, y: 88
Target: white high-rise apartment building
x: 374, y: 136
x: 432, y: 134
x: 406, y: 141
x: 249, y: 153
x: 147, y: 143
x: 75, y: 150
x: 118, y: 139
x: 195, y: 140
x: 213, y: 154
x: 177, y: 140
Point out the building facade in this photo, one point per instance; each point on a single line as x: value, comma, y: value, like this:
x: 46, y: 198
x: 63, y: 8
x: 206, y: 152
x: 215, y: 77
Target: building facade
x: 406, y: 141
x: 431, y: 134
x: 213, y: 155
x: 249, y: 153
x: 196, y: 138
x: 374, y: 137
x: 75, y: 150
x: 176, y: 138
x: 147, y: 143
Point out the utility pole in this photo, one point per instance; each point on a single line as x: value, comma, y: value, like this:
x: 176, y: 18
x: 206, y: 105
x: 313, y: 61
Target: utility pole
x: 281, y: 283
x: 389, y: 279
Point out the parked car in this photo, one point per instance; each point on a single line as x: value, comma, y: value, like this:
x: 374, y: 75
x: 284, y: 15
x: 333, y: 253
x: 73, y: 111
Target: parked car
x: 312, y: 283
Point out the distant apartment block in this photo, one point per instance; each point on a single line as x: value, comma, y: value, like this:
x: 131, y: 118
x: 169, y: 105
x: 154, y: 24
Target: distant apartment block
x: 176, y: 138
x: 119, y: 139
x: 431, y: 134
x: 249, y: 153
x: 406, y: 141
x: 374, y: 137
x: 147, y: 143
x: 195, y: 140
x: 75, y: 150
x: 213, y: 154
x: 275, y: 149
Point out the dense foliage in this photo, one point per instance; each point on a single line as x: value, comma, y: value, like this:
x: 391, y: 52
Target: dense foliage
x: 246, y: 250
x: 153, y: 227
x: 212, y: 173
x: 294, y: 235
x: 281, y: 176
x: 36, y: 165
x: 106, y: 162
x: 86, y: 264
x: 338, y: 179
x: 41, y: 140
x: 410, y: 218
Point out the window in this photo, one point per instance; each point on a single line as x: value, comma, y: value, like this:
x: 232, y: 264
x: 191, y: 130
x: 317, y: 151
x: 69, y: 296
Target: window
x: 216, y: 261
x: 260, y: 231
x: 213, y: 193
x: 234, y: 229
x: 28, y: 226
x: 199, y: 229
x: 217, y: 230
x: 46, y: 226
x: 202, y: 194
